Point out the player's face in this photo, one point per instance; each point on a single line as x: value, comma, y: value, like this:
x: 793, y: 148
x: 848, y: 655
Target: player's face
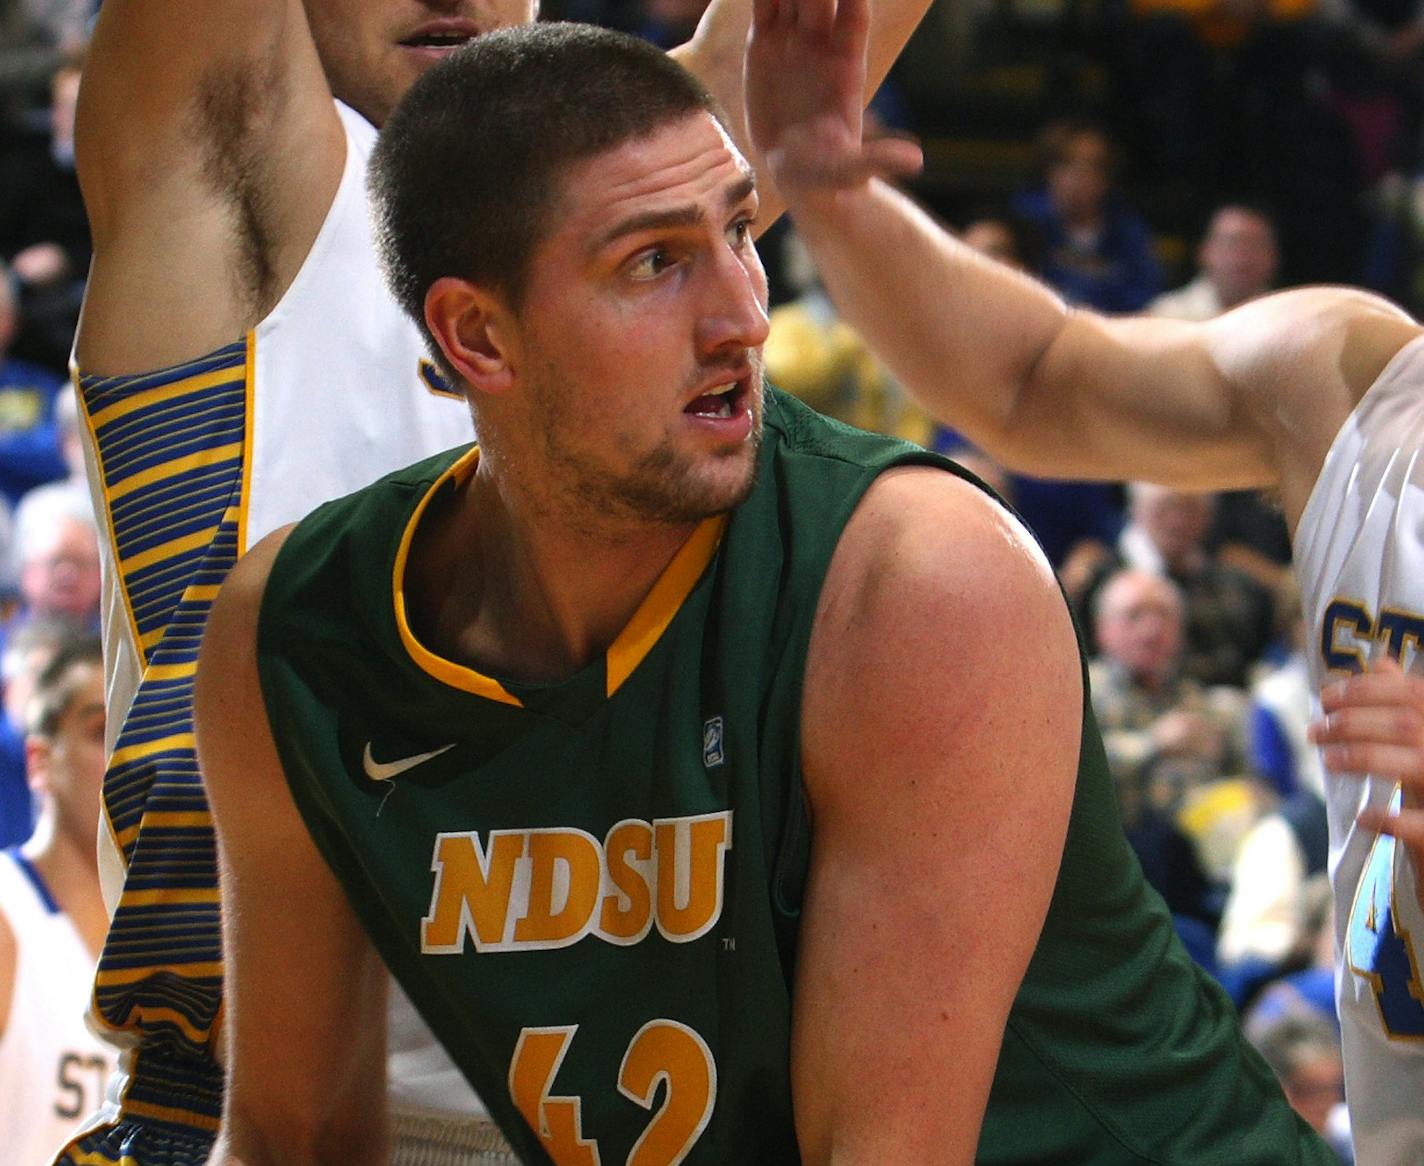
x: 638, y: 347
x: 69, y: 766
x: 373, y: 50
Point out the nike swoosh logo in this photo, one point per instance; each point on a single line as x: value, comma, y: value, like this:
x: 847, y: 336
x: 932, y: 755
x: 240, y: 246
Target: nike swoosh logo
x: 385, y: 770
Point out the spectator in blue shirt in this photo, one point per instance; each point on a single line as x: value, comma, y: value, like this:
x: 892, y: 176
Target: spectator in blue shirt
x: 1097, y: 251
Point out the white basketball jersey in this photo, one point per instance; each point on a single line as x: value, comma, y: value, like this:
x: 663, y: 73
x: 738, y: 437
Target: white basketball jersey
x: 340, y: 391
x: 1359, y: 555
x: 53, y: 1071
x: 343, y: 388
x: 333, y: 389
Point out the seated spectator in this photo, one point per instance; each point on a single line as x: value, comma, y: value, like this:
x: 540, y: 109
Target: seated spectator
x: 57, y: 554
x: 1168, y: 739
x: 29, y: 443
x: 1149, y: 711
x: 1097, y: 251
x: 1230, y: 617
x: 1236, y: 261
x: 53, y: 1071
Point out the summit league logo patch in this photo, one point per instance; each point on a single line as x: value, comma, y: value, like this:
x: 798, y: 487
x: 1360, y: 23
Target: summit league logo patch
x: 712, y: 754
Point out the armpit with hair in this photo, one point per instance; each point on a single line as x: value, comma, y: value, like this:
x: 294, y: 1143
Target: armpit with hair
x: 232, y: 112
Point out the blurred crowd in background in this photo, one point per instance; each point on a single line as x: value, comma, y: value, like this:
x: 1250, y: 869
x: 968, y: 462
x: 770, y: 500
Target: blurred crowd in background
x: 1176, y: 157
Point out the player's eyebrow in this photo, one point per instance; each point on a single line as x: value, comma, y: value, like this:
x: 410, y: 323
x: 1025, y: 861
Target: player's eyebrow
x: 691, y: 215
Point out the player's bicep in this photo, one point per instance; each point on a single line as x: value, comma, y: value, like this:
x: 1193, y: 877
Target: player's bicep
x: 1123, y: 398
x: 305, y: 992
x: 941, y: 727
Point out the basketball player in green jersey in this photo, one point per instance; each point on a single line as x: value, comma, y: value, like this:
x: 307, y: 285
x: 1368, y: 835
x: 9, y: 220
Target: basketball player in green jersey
x: 241, y: 361
x: 671, y: 746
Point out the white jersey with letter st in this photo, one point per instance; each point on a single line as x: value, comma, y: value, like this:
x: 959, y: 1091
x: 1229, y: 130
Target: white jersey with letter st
x: 333, y: 389
x: 1359, y: 555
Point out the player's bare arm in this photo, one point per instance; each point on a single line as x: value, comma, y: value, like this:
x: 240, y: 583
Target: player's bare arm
x: 208, y: 151
x: 1039, y: 385
x: 305, y: 1024
x: 941, y: 725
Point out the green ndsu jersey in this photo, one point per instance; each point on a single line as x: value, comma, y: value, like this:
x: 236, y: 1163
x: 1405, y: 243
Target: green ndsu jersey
x: 590, y: 889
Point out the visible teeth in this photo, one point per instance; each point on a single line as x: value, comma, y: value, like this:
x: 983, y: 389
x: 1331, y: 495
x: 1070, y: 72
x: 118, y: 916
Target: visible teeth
x: 724, y: 408
x: 721, y: 390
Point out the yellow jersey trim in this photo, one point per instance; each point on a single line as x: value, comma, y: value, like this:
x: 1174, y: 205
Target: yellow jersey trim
x: 624, y: 655
x: 443, y: 670
x: 245, y: 491
x: 662, y: 603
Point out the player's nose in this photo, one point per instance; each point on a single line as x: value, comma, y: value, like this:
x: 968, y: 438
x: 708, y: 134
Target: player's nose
x: 734, y: 313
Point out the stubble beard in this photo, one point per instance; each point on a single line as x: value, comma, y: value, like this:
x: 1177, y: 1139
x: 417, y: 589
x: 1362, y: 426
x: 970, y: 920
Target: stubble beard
x: 663, y: 487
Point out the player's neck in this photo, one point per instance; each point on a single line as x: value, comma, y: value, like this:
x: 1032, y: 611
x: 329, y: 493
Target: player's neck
x: 535, y: 597
x: 69, y: 867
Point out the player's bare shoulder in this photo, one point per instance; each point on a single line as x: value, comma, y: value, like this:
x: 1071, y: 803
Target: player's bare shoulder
x: 923, y: 525
x: 1300, y: 360
x: 935, y: 594
x: 1325, y: 343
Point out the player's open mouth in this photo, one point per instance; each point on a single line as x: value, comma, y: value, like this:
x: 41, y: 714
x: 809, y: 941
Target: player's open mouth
x: 719, y: 402
x: 441, y: 37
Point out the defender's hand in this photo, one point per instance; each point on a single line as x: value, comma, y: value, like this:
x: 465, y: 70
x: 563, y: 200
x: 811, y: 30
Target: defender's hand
x: 805, y: 91
x: 1374, y: 723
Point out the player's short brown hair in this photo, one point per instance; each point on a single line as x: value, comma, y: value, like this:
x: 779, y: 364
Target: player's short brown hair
x: 468, y: 168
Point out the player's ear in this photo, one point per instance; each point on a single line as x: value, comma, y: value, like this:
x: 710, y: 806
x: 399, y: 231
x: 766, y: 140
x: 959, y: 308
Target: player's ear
x: 37, y: 759
x: 471, y: 325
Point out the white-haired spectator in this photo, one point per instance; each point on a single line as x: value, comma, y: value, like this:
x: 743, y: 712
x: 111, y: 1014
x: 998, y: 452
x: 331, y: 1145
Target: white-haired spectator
x: 1302, y: 1048
x: 1229, y: 616
x: 1237, y: 261
x: 56, y: 564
